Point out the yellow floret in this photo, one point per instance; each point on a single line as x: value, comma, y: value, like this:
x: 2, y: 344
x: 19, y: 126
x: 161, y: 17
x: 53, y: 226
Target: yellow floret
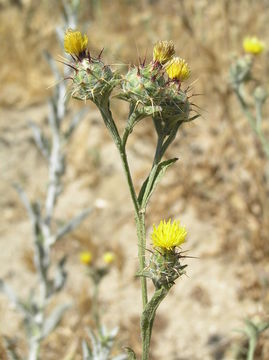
x: 74, y: 42
x: 85, y: 257
x: 178, y: 69
x: 109, y: 257
x: 253, y: 45
x: 168, y: 236
x: 163, y: 51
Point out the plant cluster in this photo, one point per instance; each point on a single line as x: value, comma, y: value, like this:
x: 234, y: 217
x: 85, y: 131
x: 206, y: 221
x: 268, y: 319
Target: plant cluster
x: 152, y: 90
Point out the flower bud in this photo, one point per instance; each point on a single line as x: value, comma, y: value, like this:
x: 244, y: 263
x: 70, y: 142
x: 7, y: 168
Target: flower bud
x: 163, y: 51
x: 85, y: 257
x: 175, y: 109
x: 109, y: 257
x: 177, y: 69
x: 93, y: 80
x: 252, y: 45
x: 144, y: 86
x: 75, y: 43
x: 241, y: 70
x: 260, y: 94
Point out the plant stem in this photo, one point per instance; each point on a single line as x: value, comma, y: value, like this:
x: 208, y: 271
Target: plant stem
x: 251, y: 349
x: 141, y: 233
x: 95, y: 305
x: 140, y: 225
x: 139, y: 215
x: 255, y: 125
x: 148, y: 317
x: 34, y: 349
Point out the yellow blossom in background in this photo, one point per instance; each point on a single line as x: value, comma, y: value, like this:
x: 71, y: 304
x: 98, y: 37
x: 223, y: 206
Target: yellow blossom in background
x: 168, y: 236
x: 74, y: 42
x: 85, y: 257
x: 178, y: 69
x: 163, y: 51
x: 109, y: 257
x: 253, y: 45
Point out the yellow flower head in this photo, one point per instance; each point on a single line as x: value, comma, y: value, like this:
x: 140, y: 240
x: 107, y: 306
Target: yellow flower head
x: 167, y: 236
x: 178, y: 69
x: 74, y: 42
x: 109, y: 257
x: 253, y: 45
x: 163, y: 51
x: 85, y: 257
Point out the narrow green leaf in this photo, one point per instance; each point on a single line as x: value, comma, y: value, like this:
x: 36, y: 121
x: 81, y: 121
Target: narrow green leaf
x: 86, y: 351
x: 152, y: 180
x: 131, y: 353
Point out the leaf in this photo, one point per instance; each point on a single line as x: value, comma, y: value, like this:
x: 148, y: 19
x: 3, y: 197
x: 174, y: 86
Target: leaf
x: 153, y: 179
x: 60, y: 276
x: 15, y: 301
x: 148, y: 314
x: 86, y: 351
x: 70, y: 225
x: 131, y: 353
x: 53, y: 320
x: 192, y: 118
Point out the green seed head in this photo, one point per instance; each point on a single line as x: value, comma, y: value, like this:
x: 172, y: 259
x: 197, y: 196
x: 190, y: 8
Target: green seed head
x: 144, y: 85
x: 93, y: 80
x: 175, y: 109
x: 164, y: 268
x: 240, y: 71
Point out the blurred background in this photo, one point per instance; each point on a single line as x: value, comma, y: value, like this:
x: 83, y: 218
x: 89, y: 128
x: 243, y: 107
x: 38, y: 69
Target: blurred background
x: 218, y: 188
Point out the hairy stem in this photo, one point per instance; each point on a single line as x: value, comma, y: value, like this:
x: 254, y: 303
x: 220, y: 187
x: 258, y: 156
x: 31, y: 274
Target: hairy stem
x: 34, y: 349
x: 139, y: 215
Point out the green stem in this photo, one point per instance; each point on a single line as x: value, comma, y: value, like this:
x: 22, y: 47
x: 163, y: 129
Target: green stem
x: 140, y: 224
x: 148, y: 317
x: 34, y: 349
x: 255, y: 125
x: 251, y: 349
x: 139, y: 216
x: 158, y: 152
x: 141, y: 234
x: 139, y: 220
x: 96, y: 305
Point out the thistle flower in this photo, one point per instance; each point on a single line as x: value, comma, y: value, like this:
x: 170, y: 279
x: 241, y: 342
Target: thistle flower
x: 144, y: 85
x: 167, y: 236
x: 85, y: 257
x: 75, y: 43
x: 253, y: 45
x: 164, y: 265
x: 93, y: 80
x: 163, y: 51
x: 109, y: 257
x: 178, y: 69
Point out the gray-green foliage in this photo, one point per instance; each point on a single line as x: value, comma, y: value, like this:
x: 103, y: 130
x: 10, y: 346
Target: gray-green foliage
x: 101, y: 345
x: 38, y: 321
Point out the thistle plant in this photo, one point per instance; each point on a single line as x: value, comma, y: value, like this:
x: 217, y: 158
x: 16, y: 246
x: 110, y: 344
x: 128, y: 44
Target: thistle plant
x: 241, y: 73
x: 46, y: 228
x: 102, y: 339
x: 152, y: 90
